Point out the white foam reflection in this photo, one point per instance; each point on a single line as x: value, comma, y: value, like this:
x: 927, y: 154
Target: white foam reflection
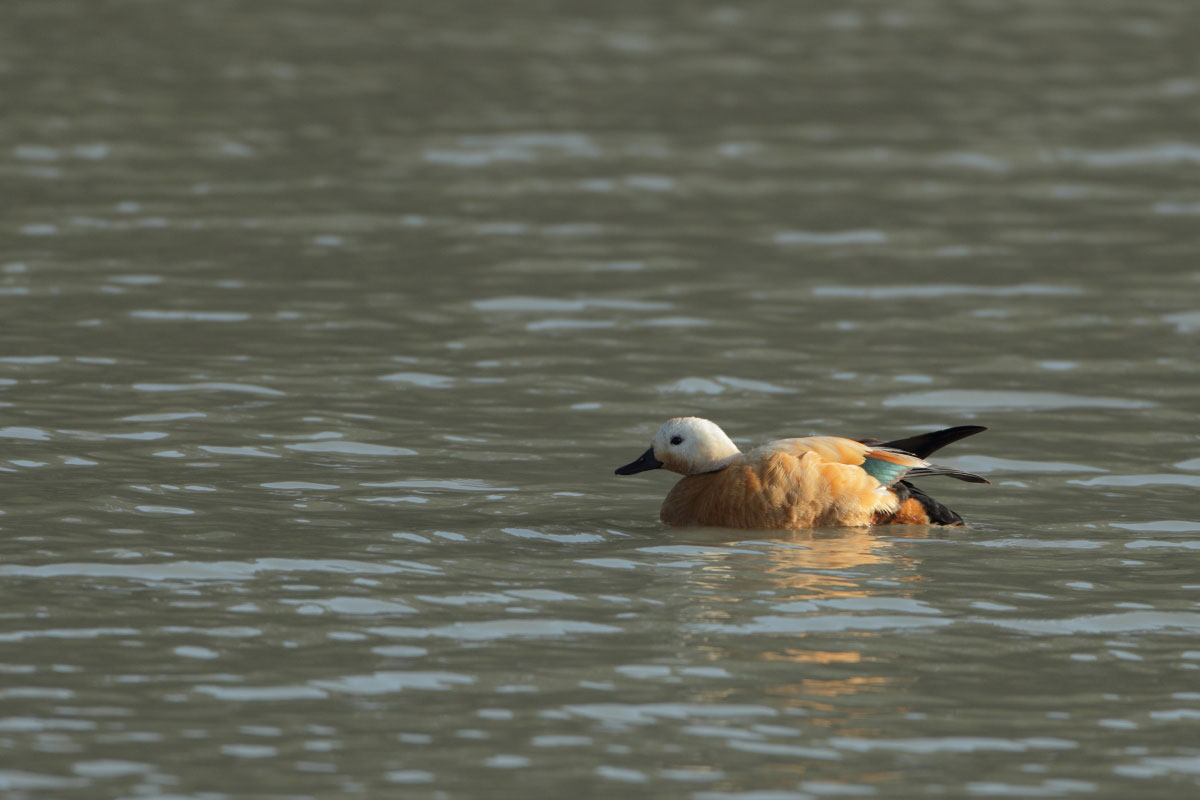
x: 168, y: 416
x: 21, y: 432
x: 300, y: 486
x: 1169, y: 153
x: 16, y: 780
x: 410, y: 776
x: 64, y: 633
x: 352, y: 605
x: 1104, y: 624
x: 489, y: 630
x: 672, y: 322
x: 1184, y: 321
x: 1157, y: 766
x: 977, y: 400
x: 452, y: 485
x: 831, y: 238
x: 261, y: 693
x: 110, y: 768
x: 793, y: 625
x: 190, y: 316
x: 526, y: 533
x: 28, y: 724
x: 1177, y: 209
x: 388, y: 682
x: 1047, y: 544
x: 351, y: 448
x: 1159, y: 526
x: 909, y: 291
x: 651, y: 713
x: 208, y: 386
x: 29, y: 359
x: 551, y: 304
x: 696, y: 385
x: 569, y: 324
x: 236, y: 451
x: 472, y: 598
x: 209, y: 570
x: 979, y: 161
x: 1168, y: 479
x: 952, y: 744
x: 423, y: 379
x: 169, y: 510
x: 485, y: 150
x: 787, y: 750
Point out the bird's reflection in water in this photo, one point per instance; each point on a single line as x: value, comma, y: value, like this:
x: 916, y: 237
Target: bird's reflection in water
x: 819, y: 564
x: 818, y: 600
x: 812, y: 564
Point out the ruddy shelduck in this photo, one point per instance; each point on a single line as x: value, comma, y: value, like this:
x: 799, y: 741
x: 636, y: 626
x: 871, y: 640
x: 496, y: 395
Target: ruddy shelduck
x: 811, y: 482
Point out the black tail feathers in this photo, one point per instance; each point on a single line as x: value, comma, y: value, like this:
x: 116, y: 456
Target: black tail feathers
x: 926, y: 444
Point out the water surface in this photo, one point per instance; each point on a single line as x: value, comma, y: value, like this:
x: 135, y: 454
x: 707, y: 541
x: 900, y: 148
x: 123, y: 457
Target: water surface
x: 324, y: 327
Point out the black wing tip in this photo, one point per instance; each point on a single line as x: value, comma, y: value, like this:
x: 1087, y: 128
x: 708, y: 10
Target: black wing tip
x: 924, y: 445
x: 956, y: 432
x: 970, y: 430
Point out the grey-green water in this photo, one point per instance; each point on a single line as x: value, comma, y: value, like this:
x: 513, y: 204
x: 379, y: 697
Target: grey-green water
x: 323, y: 326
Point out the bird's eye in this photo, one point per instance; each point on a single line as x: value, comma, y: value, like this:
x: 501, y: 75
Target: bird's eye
x: 676, y: 440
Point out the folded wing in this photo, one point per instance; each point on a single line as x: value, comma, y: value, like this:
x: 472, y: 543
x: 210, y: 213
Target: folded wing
x: 883, y: 463
x: 925, y: 444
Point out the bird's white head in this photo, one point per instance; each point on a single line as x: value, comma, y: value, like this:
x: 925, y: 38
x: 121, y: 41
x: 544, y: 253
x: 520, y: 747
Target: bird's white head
x: 687, y: 445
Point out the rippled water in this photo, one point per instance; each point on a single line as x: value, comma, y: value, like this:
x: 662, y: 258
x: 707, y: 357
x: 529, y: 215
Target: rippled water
x: 324, y: 326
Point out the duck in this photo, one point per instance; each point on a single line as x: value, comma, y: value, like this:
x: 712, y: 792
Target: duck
x: 808, y: 482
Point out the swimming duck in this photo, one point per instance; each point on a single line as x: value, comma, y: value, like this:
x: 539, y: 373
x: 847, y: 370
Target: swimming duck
x: 810, y: 482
